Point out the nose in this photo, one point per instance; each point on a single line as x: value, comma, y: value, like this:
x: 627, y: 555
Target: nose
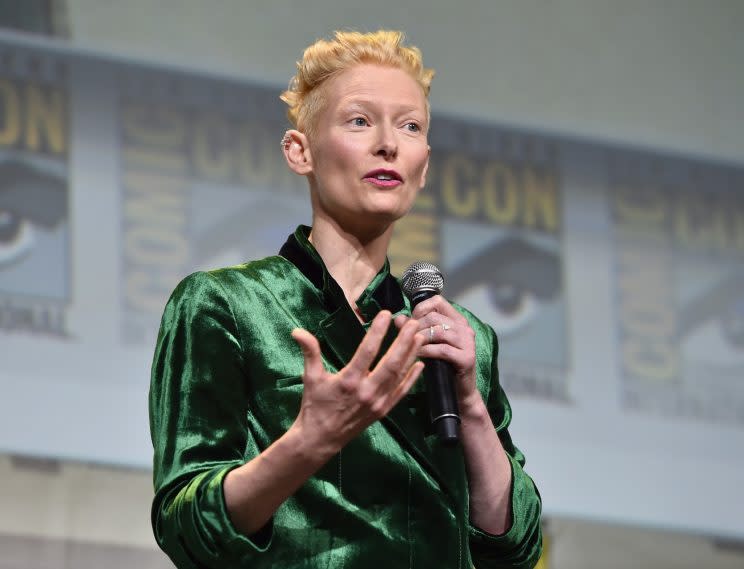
x: 386, y: 144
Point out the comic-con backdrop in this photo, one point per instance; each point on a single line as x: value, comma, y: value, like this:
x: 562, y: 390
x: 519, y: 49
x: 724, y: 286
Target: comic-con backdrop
x: 614, y: 276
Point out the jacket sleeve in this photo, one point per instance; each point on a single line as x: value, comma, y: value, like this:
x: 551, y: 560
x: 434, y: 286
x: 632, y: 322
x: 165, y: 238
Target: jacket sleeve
x: 521, y: 546
x: 199, y: 429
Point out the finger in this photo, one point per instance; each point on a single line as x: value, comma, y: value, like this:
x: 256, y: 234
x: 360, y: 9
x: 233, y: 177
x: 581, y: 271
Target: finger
x: 367, y: 351
x: 400, y: 321
x: 413, y: 353
x: 437, y: 320
x: 460, y: 359
x: 409, y: 354
x: 428, y: 320
x: 438, y: 304
x: 398, y: 357
x: 413, y: 374
x: 406, y: 384
x: 444, y: 352
x: 443, y: 333
x: 310, y: 353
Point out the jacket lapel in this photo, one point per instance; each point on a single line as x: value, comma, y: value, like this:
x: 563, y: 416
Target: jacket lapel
x: 340, y: 333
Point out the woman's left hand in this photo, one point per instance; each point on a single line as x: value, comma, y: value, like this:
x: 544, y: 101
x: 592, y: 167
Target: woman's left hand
x: 450, y: 338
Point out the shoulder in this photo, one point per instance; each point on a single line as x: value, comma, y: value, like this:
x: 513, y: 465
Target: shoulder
x: 236, y: 279
x: 227, y: 290
x: 252, y: 272
x: 223, y: 297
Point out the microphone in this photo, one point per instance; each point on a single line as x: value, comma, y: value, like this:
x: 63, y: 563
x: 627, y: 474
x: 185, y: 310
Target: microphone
x: 421, y: 281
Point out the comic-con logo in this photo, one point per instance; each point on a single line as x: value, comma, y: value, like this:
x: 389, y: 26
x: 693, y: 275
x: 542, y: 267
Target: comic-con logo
x: 679, y: 262
x: 34, y: 266
x: 203, y: 185
x: 493, y: 223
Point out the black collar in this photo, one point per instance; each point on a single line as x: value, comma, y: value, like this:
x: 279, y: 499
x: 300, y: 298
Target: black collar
x: 384, y: 291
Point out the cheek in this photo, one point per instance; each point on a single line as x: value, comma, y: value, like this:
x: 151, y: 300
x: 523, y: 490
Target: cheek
x: 420, y: 162
x: 341, y: 155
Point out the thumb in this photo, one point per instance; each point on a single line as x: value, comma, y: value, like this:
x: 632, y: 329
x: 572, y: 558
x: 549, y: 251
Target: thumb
x: 310, y: 353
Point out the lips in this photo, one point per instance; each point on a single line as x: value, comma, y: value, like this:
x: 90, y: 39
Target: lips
x: 383, y: 178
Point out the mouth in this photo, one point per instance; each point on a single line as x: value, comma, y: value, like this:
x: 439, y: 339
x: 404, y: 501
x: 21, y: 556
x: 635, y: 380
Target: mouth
x: 383, y: 178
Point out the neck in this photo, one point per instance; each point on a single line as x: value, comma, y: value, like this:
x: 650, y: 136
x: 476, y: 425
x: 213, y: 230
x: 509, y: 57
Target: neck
x: 352, y: 259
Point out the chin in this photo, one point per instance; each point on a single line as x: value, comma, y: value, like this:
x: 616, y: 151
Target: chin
x: 390, y: 211
x: 387, y: 216
x: 371, y: 222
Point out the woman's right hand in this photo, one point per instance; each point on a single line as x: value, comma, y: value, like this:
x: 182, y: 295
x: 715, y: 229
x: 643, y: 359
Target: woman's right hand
x: 337, y: 407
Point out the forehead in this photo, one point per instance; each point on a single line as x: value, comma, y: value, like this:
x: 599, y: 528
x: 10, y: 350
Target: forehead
x: 375, y: 84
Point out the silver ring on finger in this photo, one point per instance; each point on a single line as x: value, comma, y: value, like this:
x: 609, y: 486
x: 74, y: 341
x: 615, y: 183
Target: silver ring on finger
x: 431, y: 333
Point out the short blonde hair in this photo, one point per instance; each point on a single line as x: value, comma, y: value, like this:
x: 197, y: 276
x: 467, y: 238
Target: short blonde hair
x: 326, y: 58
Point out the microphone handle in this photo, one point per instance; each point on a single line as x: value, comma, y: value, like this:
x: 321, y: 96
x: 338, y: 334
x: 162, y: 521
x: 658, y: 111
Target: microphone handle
x: 444, y: 413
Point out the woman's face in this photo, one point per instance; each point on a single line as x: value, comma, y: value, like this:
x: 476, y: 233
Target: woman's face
x: 369, y: 147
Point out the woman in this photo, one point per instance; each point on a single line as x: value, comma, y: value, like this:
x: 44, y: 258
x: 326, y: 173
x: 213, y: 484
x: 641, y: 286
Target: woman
x: 267, y: 455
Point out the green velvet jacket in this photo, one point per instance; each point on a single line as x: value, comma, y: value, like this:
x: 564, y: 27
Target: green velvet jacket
x: 226, y: 382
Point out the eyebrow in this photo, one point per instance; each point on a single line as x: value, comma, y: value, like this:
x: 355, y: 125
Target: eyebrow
x: 353, y: 102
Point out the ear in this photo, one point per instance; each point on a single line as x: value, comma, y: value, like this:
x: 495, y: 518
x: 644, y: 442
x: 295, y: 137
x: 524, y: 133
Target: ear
x: 297, y: 152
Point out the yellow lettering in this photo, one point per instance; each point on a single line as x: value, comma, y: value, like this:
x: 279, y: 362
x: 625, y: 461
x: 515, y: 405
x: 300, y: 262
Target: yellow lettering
x: 647, y: 316
x: 647, y: 207
x: 540, y: 200
x: 650, y: 359
x: 155, y: 158
x: 45, y: 120
x: 500, y: 194
x: 143, y: 289
x: 150, y: 126
x: 424, y: 202
x: 10, y: 111
x: 258, y: 161
x: 155, y: 245
x: 737, y: 214
x: 156, y: 199
x: 459, y: 198
x: 415, y: 239
x: 704, y: 224
x: 212, y: 148
x: 719, y: 217
x: 688, y: 225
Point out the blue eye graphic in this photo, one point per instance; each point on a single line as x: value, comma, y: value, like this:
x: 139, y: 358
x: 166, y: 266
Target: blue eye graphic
x: 717, y: 313
x: 508, y: 281
x: 31, y: 200
x: 16, y: 237
x: 252, y: 230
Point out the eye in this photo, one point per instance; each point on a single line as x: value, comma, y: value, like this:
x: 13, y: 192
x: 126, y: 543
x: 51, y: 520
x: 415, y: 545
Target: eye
x: 359, y: 121
x: 711, y: 325
x: 37, y: 194
x: 507, y: 307
x: 732, y: 325
x: 510, y: 282
x: 413, y: 127
x: 16, y: 237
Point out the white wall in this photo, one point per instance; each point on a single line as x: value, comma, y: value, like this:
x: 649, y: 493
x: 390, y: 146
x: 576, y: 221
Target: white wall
x: 661, y: 73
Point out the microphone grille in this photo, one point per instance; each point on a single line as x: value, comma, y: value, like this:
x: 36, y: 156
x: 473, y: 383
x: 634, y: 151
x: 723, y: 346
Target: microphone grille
x: 422, y: 276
